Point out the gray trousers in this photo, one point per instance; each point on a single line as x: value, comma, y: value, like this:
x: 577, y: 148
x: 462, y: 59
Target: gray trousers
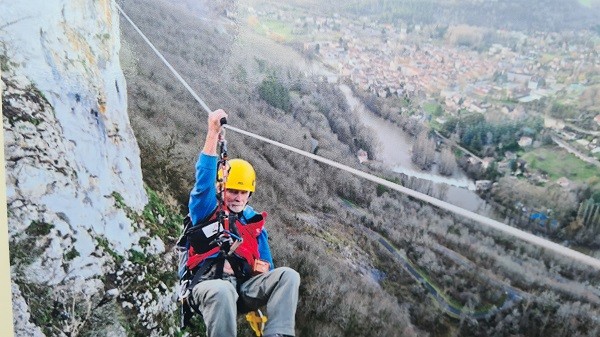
x: 276, y: 289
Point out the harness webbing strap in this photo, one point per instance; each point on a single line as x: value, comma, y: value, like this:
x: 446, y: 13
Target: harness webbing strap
x: 196, y: 279
x: 220, y: 263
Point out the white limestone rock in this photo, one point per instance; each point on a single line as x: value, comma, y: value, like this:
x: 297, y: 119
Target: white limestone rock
x: 69, y: 146
x: 22, y: 317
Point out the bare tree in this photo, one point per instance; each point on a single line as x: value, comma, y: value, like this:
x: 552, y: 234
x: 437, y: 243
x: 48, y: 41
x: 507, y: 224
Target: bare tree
x: 423, y: 151
x: 447, y: 162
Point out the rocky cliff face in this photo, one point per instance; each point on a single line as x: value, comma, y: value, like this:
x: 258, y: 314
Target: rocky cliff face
x: 75, y: 196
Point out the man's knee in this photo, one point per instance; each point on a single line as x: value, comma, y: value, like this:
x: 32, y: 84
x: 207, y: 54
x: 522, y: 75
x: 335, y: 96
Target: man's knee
x: 215, y: 290
x: 288, y: 275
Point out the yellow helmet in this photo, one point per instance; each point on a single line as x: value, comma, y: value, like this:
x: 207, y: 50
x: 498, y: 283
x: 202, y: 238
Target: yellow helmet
x: 241, y: 176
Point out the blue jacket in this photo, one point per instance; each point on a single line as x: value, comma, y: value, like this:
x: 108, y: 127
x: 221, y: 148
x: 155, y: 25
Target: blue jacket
x: 203, y: 201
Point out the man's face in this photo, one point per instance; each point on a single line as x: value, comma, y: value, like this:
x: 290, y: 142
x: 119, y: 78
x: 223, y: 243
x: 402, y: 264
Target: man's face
x: 236, y: 200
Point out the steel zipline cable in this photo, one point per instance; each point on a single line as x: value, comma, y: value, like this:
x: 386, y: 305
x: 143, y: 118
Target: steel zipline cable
x: 565, y: 251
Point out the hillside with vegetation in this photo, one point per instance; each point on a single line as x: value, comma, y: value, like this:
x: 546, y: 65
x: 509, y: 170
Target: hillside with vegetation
x: 370, y: 259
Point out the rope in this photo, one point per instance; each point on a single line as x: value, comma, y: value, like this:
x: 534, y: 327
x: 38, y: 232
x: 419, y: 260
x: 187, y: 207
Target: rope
x: 583, y: 258
x: 160, y: 56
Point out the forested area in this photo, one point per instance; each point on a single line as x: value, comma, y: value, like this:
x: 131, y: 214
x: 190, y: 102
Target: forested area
x: 323, y: 222
x: 490, y: 138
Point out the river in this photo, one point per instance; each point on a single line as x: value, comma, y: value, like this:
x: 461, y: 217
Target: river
x: 394, y: 151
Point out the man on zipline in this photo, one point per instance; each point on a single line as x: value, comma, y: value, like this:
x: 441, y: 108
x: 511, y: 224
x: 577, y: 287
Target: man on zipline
x: 240, y: 277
